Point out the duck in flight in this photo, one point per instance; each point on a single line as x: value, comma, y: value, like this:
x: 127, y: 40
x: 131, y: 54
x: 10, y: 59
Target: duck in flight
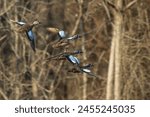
x: 27, y: 28
x: 66, y: 55
x: 64, y: 41
x: 83, y: 69
x: 62, y: 34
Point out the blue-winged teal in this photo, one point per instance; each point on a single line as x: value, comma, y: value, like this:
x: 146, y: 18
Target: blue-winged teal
x: 87, y: 71
x: 74, y: 37
x: 72, y: 59
x: 63, y: 35
x: 77, y: 70
x: 60, y: 44
x: 65, y: 43
x: 66, y: 55
x: 83, y: 69
x: 60, y: 33
x: 27, y: 28
x: 31, y: 38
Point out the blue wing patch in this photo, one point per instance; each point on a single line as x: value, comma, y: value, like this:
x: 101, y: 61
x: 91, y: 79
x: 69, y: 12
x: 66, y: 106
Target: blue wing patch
x: 30, y: 35
x: 73, y: 59
x: 62, y: 34
x: 31, y: 38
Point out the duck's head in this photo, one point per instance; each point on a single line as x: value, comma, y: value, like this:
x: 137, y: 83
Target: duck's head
x: 36, y: 22
x: 53, y: 30
x: 61, y: 33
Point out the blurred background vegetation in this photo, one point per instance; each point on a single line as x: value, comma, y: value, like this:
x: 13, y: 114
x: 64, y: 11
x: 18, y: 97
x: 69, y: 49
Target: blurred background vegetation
x: 25, y: 75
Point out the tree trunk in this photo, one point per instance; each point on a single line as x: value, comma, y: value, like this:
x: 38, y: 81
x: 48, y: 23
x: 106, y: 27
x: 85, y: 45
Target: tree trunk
x: 114, y: 77
x: 117, y: 35
x: 110, y: 79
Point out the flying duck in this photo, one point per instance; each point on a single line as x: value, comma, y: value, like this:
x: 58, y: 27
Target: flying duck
x: 27, y: 28
x: 60, y: 33
x: 83, y: 69
x: 65, y: 55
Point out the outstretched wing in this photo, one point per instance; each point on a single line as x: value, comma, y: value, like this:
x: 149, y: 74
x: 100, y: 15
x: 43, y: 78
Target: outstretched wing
x: 21, y: 23
x: 31, y: 38
x: 73, y: 59
x: 74, y: 37
x: 61, y: 34
x: 91, y: 74
x: 87, y: 71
